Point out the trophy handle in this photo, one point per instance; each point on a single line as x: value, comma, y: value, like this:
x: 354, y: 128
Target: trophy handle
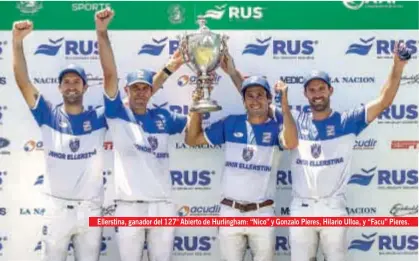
x: 184, y: 52
x: 224, y: 47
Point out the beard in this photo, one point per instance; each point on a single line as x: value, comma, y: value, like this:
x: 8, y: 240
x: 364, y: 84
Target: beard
x: 73, y: 99
x: 321, y: 106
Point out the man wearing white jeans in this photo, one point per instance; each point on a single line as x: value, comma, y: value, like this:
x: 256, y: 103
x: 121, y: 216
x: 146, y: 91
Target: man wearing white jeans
x: 140, y: 135
x: 321, y: 163
x: 251, y: 141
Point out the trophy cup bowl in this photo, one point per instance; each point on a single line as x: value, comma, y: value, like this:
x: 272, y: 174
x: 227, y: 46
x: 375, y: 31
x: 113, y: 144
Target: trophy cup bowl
x: 202, y: 51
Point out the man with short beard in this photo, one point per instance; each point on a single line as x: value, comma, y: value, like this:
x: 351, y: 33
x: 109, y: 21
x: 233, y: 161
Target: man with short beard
x: 73, y: 145
x: 141, y: 144
x: 253, y: 142
x: 321, y: 163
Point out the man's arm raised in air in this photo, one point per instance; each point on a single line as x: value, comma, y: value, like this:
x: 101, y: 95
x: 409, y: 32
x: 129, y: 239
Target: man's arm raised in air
x: 107, y: 60
x: 20, y: 30
x: 390, y: 88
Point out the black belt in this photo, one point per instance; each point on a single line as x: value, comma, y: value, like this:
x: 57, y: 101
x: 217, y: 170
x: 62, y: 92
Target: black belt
x: 247, y: 207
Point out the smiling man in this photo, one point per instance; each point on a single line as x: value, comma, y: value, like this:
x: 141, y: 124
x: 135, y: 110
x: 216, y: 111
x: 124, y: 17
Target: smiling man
x: 320, y: 164
x: 73, y: 144
x: 141, y: 138
x: 252, y: 144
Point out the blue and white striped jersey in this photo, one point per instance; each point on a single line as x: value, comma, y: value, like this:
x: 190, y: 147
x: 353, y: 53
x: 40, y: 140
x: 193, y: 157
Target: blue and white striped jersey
x: 320, y: 165
x: 141, y: 150
x: 250, y: 152
x: 73, y: 147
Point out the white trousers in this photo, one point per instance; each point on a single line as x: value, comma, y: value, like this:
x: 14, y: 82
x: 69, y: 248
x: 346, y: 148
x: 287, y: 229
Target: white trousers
x: 131, y: 239
x: 66, y: 221
x: 305, y: 240
x: 233, y: 240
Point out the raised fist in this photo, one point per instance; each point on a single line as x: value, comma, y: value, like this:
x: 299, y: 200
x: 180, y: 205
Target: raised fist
x: 21, y: 29
x: 227, y: 64
x: 103, y: 18
x: 281, y: 87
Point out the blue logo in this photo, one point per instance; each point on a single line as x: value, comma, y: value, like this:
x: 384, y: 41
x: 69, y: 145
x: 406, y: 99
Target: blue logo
x: 3, y: 81
x: 2, y: 44
x: 283, y: 179
x: 3, y: 211
x: 363, y: 179
x: 74, y: 145
x: 282, y: 245
x: 2, y: 109
x: 361, y: 49
x: 154, y: 143
x: 316, y: 150
x: 386, y: 244
x: 50, y: 49
x: 73, y: 49
x: 3, y: 239
x: 158, y: 45
x: 180, y: 109
x: 363, y: 244
x: 248, y: 153
x: 387, y: 178
x: 282, y: 49
x: 399, y: 114
x: 3, y: 174
x: 4, y: 142
x: 383, y: 48
x: 259, y: 48
x: 200, y: 245
x: 39, y: 180
x: 191, y: 179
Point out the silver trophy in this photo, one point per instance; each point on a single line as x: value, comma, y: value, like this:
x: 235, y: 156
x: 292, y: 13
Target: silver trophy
x: 202, y: 52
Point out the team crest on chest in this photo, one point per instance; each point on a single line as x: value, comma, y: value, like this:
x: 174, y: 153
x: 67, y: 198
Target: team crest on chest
x: 74, y: 145
x: 316, y: 150
x: 154, y: 143
x: 248, y: 153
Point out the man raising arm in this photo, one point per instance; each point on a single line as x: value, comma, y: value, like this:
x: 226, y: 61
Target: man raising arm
x: 251, y: 142
x: 73, y: 146
x: 140, y: 136
x: 321, y: 163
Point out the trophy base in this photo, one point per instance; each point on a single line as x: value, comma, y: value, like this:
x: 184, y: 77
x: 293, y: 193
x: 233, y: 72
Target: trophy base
x: 205, y: 106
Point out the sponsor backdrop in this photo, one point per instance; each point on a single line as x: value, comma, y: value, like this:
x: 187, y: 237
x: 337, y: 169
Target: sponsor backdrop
x: 352, y: 40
